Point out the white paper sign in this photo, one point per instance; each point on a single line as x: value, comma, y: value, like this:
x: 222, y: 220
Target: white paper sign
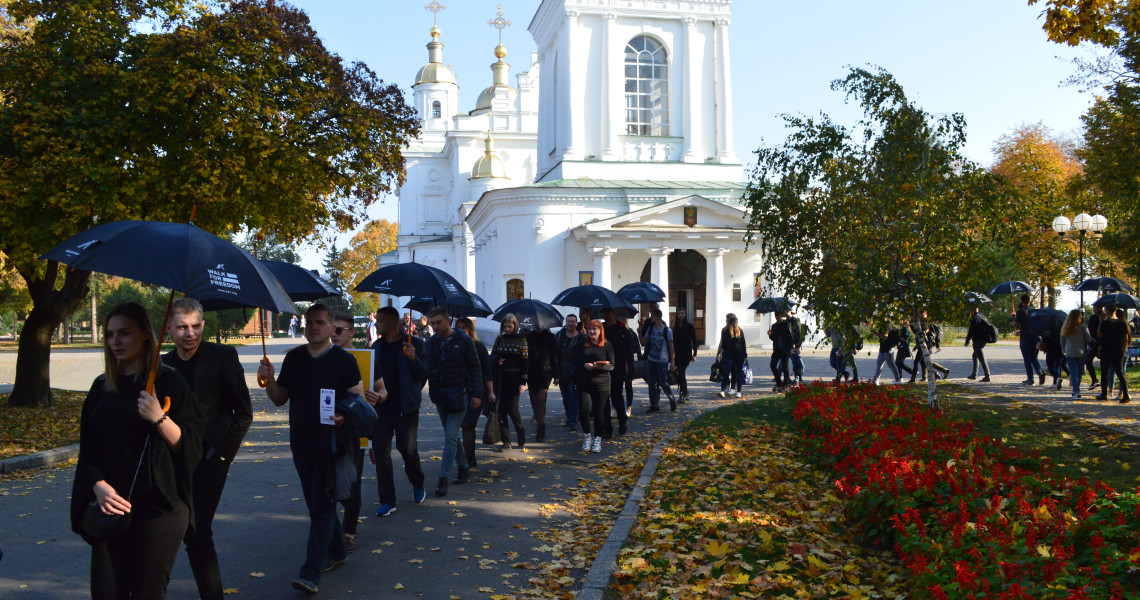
x: 328, y: 406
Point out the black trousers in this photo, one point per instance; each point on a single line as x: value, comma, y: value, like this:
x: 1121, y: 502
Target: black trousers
x: 326, y: 538
x: 538, y: 384
x: 618, y: 382
x: 209, y: 480
x: 682, y: 382
x: 1111, y: 366
x: 979, y: 357
x: 509, y: 408
x: 138, y: 564
x: 406, y: 429
x: 593, y: 397
x: 354, y: 502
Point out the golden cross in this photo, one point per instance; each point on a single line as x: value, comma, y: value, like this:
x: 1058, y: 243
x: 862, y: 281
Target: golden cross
x: 499, y: 23
x: 434, y: 6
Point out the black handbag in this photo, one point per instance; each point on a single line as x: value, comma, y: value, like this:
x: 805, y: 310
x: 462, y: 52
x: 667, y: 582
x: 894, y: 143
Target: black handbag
x: 672, y: 377
x: 714, y: 373
x: 491, y: 432
x: 100, y: 525
x: 641, y: 369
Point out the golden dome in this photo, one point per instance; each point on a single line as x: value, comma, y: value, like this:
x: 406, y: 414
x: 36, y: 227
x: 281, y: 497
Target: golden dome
x: 435, y: 71
x: 499, y: 71
x: 489, y: 166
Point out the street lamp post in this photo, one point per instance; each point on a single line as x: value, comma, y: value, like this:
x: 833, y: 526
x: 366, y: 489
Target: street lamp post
x: 1080, y: 227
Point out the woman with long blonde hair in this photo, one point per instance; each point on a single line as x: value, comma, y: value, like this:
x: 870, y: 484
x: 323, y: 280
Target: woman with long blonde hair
x: 732, y: 354
x: 1075, y: 341
x: 512, y: 357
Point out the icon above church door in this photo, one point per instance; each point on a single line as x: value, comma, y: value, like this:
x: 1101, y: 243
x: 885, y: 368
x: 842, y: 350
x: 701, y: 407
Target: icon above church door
x: 585, y: 278
x: 690, y: 216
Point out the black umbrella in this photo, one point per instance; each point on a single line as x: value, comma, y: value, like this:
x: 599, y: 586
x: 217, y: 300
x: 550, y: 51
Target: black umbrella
x: 1103, y: 284
x: 302, y: 285
x: 1120, y: 300
x: 767, y: 304
x: 593, y: 297
x: 1011, y: 287
x: 976, y: 298
x: 470, y: 306
x: 535, y: 315
x: 1043, y: 320
x: 178, y: 256
x: 640, y: 292
x: 414, y: 279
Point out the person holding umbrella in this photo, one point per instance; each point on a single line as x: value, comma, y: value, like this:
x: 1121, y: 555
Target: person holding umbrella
x: 1028, y: 342
x: 1114, y: 340
x: 592, y: 363
x: 313, y: 376
x: 137, y: 460
x: 512, y: 357
x: 978, y: 332
x: 218, y: 380
x: 685, y: 344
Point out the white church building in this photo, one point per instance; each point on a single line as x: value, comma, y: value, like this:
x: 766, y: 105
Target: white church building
x: 606, y: 159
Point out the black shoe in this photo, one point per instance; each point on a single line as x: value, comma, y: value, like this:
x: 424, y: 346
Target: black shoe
x: 521, y: 437
x: 1125, y: 399
x: 673, y: 404
x: 1094, y: 385
x: 1040, y: 379
x: 653, y: 409
x: 621, y: 429
x: 1059, y: 380
x: 331, y: 564
x: 506, y: 446
x: 985, y: 379
x: 971, y: 376
x: 1027, y: 381
x: 541, y: 435
x: 464, y: 476
x: 441, y: 489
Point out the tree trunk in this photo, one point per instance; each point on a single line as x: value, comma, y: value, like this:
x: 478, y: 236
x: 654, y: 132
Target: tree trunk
x: 49, y: 308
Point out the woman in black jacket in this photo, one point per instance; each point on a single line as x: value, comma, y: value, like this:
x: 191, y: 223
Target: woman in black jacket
x: 471, y: 417
x: 593, y: 363
x: 137, y: 457
x: 685, y: 346
x: 543, y: 352
x: 732, y: 354
x: 512, y: 357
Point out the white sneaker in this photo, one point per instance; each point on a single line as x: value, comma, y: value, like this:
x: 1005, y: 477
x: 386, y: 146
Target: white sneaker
x: 597, y: 444
x: 722, y: 394
x: 629, y: 411
x: 897, y: 382
x: 587, y: 442
x: 738, y: 394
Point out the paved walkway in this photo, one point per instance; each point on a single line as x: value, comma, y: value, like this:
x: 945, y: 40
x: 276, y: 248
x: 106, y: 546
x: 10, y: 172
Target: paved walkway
x: 480, y: 537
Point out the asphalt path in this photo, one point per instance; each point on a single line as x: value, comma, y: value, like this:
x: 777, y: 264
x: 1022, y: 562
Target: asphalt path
x: 478, y: 538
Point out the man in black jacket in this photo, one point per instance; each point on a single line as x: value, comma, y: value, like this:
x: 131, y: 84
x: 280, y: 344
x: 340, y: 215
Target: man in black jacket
x: 455, y: 382
x: 618, y: 335
x: 978, y: 331
x: 218, y: 381
x: 543, y: 363
x: 783, y: 338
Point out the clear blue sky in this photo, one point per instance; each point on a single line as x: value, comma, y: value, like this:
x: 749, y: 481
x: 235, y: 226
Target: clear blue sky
x: 987, y: 59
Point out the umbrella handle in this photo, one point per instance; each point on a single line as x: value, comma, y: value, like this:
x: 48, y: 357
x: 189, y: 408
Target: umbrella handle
x: 262, y: 381
x: 409, y: 341
x: 158, y: 354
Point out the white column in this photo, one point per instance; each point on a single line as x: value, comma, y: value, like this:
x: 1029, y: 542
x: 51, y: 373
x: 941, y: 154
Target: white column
x: 724, y: 153
x: 659, y: 269
x: 613, y: 89
x: 603, y: 274
x: 689, y: 118
x: 715, y: 296
x: 570, y: 125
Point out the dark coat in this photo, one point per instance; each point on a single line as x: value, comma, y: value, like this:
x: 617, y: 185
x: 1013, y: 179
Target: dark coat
x: 219, y: 385
x: 413, y: 375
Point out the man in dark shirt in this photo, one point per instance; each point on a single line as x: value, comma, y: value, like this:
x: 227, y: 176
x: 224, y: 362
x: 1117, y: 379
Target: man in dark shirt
x: 1094, y: 350
x: 313, y: 376
x: 1114, y: 341
x: 783, y: 337
x: 216, y: 376
x: 1028, y: 342
x: 400, y: 363
x: 616, y: 334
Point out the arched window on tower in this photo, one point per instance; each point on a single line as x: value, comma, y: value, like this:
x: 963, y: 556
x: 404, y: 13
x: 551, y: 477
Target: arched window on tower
x: 515, y: 290
x: 436, y: 110
x: 646, y: 87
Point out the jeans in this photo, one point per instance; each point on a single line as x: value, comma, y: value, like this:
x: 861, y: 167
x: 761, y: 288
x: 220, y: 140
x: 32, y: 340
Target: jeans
x: 138, y: 564
x: 731, y: 373
x: 354, y: 502
x: 658, y: 379
x: 1076, y: 370
x: 326, y: 538
x: 1109, y: 366
x: 1029, y: 356
x: 886, y: 358
x: 569, y: 391
x: 979, y: 357
x: 452, y: 451
x: 797, y: 364
x: 406, y: 429
x: 209, y: 479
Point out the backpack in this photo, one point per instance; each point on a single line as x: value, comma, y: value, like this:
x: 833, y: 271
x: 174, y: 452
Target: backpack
x: 991, y: 332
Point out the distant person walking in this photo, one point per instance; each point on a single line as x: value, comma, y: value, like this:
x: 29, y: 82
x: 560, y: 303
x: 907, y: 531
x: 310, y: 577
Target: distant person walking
x: 658, y: 341
x: 543, y: 364
x: 593, y: 362
x: 1075, y: 340
x: 685, y: 345
x: 135, y: 459
x: 511, y: 356
x: 979, y: 332
x: 888, y: 343
x: 1114, y: 340
x: 293, y: 326
x: 1094, y: 347
x: 732, y: 352
x: 471, y: 417
x: 1028, y: 342
x: 455, y: 384
x: 567, y: 343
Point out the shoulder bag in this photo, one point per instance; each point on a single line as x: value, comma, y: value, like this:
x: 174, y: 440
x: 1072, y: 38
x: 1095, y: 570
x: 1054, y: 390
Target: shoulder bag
x: 100, y: 525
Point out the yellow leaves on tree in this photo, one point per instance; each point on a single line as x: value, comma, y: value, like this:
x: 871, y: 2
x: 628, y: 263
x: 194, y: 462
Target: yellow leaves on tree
x: 363, y: 255
x: 1099, y: 21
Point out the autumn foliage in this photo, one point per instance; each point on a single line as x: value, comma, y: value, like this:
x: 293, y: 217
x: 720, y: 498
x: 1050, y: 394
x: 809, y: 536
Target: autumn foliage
x: 969, y: 516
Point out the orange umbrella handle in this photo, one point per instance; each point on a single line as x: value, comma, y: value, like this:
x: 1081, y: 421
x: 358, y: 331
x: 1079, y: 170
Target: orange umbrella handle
x: 262, y: 381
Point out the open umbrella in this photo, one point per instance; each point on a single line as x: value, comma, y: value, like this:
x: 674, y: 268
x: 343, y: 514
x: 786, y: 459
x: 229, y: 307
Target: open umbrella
x: 1011, y: 287
x: 640, y: 292
x: 594, y: 297
x: 1120, y: 300
x: 470, y: 306
x: 767, y: 304
x: 414, y: 279
x: 977, y: 298
x: 1043, y: 320
x: 532, y: 314
x: 302, y: 285
x: 1103, y: 284
x: 178, y: 256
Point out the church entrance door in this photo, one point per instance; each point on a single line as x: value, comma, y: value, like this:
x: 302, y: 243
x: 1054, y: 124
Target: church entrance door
x: 687, y: 276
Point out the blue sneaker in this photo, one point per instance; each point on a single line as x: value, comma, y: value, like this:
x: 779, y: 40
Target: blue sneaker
x: 304, y: 585
x: 385, y: 510
x: 418, y: 495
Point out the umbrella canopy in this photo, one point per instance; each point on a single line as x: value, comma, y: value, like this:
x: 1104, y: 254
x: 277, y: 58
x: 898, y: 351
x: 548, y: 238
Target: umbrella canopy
x: 591, y: 296
x: 1046, y: 320
x: 767, y: 304
x: 178, y: 256
x: 302, y: 285
x: 640, y: 292
x: 1011, y: 287
x: 414, y: 279
x: 535, y: 315
x: 1103, y: 284
x: 976, y: 298
x: 1120, y: 300
x: 470, y: 306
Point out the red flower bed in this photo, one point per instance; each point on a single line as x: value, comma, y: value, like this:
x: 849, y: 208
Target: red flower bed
x: 969, y: 516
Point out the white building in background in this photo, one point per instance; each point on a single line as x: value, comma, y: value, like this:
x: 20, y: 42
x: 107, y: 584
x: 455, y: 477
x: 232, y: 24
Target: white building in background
x: 607, y: 159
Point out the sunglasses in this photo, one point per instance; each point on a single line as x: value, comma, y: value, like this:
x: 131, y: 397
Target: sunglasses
x: 339, y: 330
